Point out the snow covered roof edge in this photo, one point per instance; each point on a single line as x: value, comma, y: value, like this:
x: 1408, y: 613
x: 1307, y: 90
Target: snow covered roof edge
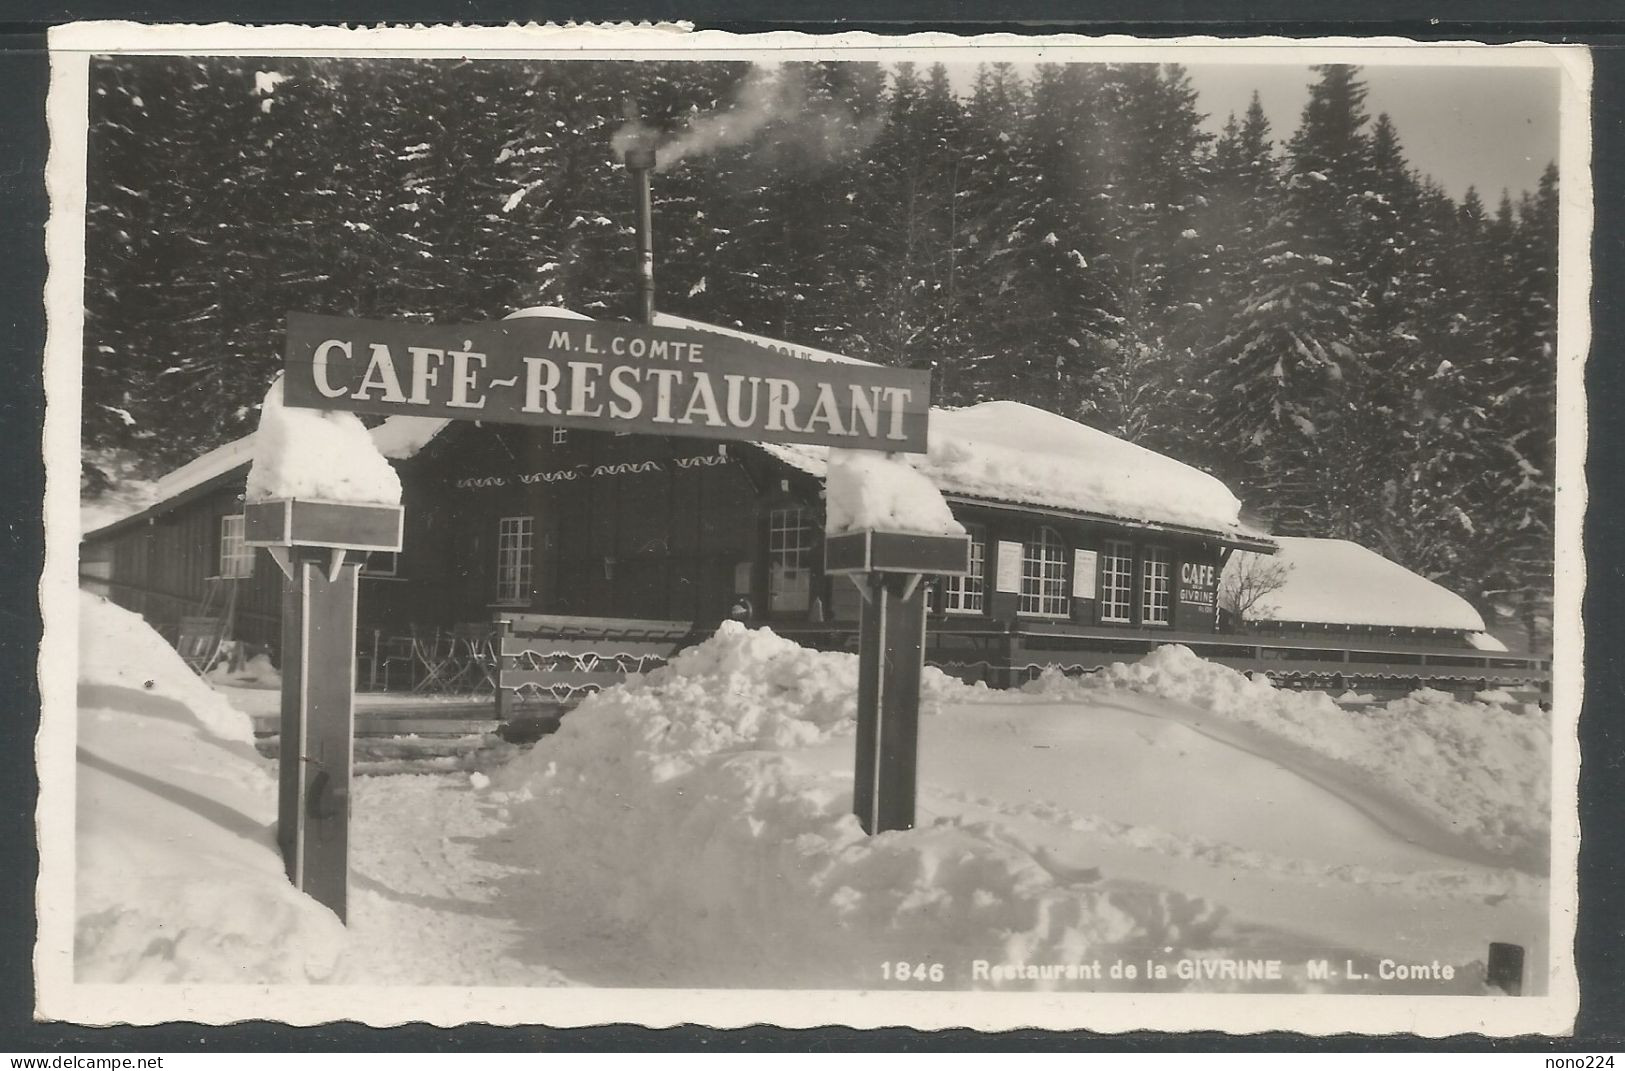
x: 397, y: 438
x: 1338, y: 582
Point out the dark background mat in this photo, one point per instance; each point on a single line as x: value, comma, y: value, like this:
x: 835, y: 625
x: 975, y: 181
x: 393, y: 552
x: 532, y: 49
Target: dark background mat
x: 1600, y: 945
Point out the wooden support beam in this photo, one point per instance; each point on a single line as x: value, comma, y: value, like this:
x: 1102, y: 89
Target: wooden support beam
x: 891, y: 661
x: 317, y: 725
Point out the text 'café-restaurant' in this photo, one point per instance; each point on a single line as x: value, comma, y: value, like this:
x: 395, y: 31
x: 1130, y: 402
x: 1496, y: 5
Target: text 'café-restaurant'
x: 675, y: 384
x: 1085, y: 549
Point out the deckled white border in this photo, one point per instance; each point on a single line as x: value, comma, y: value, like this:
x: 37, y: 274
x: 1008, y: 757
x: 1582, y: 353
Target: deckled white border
x: 60, y: 998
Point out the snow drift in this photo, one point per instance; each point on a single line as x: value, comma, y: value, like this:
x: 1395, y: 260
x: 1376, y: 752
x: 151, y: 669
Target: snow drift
x: 732, y: 867
x: 1481, y: 770
x: 178, y: 876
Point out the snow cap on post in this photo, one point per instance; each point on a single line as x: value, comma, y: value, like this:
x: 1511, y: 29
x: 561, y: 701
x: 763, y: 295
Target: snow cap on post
x: 318, y: 480
x: 883, y: 515
x: 866, y: 490
x: 313, y: 454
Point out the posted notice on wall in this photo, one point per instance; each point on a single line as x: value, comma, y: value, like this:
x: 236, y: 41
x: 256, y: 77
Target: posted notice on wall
x: 1083, y: 574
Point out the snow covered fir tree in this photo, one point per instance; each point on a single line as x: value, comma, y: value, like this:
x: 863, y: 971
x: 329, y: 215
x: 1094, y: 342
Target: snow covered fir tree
x: 1245, y: 423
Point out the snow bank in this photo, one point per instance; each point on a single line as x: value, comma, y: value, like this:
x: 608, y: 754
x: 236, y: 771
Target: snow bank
x: 1338, y: 582
x: 1480, y: 770
x: 118, y: 650
x: 668, y: 809
x: 869, y: 490
x: 308, y: 453
x: 1012, y: 452
x: 178, y: 877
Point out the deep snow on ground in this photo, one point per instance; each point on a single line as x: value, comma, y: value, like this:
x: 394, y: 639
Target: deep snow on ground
x: 691, y: 828
x: 178, y: 875
x: 1479, y: 772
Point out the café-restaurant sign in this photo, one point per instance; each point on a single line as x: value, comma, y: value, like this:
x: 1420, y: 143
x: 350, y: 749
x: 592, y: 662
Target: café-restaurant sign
x: 604, y: 375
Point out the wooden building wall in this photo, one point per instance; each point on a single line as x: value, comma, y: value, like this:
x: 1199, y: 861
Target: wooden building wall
x: 167, y: 567
x: 623, y: 526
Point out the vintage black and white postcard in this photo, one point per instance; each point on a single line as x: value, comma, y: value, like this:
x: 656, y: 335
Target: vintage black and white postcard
x: 594, y: 525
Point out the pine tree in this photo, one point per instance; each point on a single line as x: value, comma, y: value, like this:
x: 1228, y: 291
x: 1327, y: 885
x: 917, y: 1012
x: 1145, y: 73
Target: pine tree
x: 1292, y: 343
x: 904, y: 241
x: 1151, y: 166
x: 1522, y: 404
x: 996, y: 168
x: 1243, y: 196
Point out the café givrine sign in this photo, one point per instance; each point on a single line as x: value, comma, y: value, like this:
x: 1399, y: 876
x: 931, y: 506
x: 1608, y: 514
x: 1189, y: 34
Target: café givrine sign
x: 599, y: 374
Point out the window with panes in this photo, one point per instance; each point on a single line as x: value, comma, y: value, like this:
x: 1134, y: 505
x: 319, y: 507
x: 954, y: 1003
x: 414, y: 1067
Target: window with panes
x: 789, y: 556
x: 1043, y: 576
x: 1157, y: 587
x: 236, y: 557
x: 1116, y: 580
x: 964, y: 594
x: 515, y: 541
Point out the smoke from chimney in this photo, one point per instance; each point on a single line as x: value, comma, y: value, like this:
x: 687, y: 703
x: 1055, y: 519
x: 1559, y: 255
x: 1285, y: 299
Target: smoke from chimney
x: 822, y: 129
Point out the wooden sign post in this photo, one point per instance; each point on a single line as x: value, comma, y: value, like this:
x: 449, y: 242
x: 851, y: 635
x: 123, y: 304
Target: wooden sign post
x: 320, y: 547
x: 889, y: 568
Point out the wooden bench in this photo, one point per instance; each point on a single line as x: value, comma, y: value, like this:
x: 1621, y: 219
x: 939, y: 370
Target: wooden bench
x: 558, y: 661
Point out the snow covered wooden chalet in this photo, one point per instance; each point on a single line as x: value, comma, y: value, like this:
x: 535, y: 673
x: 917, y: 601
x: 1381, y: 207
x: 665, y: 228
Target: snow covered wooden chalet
x: 1087, y: 549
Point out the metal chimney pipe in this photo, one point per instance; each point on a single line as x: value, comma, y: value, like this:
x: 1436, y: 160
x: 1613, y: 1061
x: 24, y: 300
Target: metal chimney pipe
x: 641, y: 161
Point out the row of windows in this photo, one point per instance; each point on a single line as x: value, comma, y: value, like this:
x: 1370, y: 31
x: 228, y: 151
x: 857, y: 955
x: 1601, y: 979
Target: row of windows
x: 1046, y: 575
x: 1047, y: 581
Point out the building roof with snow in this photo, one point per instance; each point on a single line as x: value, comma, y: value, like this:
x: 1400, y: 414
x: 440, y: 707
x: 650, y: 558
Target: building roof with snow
x: 1336, y: 582
x: 994, y: 453
x: 1019, y: 455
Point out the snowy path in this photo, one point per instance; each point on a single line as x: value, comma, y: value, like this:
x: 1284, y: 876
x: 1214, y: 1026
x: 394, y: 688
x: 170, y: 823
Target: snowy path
x: 426, y: 907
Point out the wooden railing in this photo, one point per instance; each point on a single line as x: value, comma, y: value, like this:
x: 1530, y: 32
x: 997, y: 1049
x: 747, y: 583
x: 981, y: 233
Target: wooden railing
x: 1006, y: 657
x: 560, y: 660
